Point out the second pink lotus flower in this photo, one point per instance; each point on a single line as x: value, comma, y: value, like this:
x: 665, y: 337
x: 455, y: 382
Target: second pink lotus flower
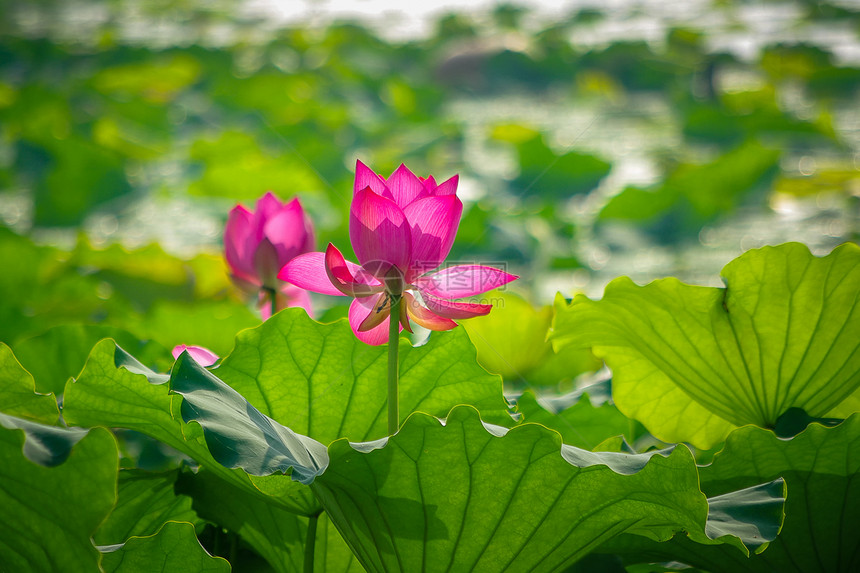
x: 258, y: 243
x: 401, y: 228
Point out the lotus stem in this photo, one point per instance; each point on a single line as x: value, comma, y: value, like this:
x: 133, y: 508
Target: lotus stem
x: 272, y: 294
x: 310, y: 543
x: 393, y: 366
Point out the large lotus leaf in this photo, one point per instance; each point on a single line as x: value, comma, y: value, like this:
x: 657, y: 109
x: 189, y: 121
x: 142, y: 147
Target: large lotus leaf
x: 820, y: 467
x: 173, y: 549
x: 18, y: 395
x: 692, y: 362
x: 114, y: 390
x: 324, y: 383
x: 277, y: 535
x: 511, y: 341
x: 61, y: 352
x: 145, y: 502
x: 56, y: 486
x: 466, y: 496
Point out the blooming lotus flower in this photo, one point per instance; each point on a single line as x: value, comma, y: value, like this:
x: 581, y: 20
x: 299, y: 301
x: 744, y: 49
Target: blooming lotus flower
x: 258, y: 243
x: 401, y: 228
x: 201, y: 355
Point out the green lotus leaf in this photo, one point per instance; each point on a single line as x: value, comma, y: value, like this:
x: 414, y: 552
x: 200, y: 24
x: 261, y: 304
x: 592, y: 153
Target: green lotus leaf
x: 754, y: 515
x: 581, y: 420
x: 511, y: 342
x: 56, y: 486
x: 691, y: 362
x: 321, y: 381
x: 820, y: 466
x: 18, y: 395
x: 467, y: 496
x: 173, y: 549
x: 145, y: 502
x: 116, y: 391
x: 434, y: 480
x: 275, y: 534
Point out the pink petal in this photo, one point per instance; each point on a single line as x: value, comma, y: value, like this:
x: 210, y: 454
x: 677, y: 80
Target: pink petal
x: 462, y: 281
x: 353, y: 282
x: 434, y: 222
x: 451, y: 309
x: 267, y: 207
x: 365, y: 177
x: 239, y: 243
x: 307, y: 271
x: 359, y: 310
x: 287, y: 230
x: 448, y: 187
x: 429, y: 184
x: 379, y: 232
x: 405, y: 187
x: 201, y: 355
x: 424, y: 316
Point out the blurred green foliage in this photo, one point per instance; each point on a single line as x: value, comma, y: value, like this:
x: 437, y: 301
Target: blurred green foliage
x: 93, y: 120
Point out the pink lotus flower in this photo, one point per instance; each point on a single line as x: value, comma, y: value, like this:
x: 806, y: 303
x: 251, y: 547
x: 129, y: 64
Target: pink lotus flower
x: 201, y: 355
x: 400, y: 228
x: 258, y: 243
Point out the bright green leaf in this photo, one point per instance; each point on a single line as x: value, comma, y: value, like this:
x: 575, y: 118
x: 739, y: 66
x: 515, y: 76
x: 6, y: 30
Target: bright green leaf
x: 692, y: 362
x: 18, y: 395
x: 174, y: 549
x: 511, y: 341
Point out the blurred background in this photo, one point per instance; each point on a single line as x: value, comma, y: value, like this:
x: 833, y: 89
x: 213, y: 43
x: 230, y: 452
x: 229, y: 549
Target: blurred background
x: 593, y: 139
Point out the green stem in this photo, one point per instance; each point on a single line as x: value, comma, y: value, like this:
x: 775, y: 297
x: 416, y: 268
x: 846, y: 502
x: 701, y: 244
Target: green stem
x: 273, y: 295
x: 310, y: 543
x: 393, y: 367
